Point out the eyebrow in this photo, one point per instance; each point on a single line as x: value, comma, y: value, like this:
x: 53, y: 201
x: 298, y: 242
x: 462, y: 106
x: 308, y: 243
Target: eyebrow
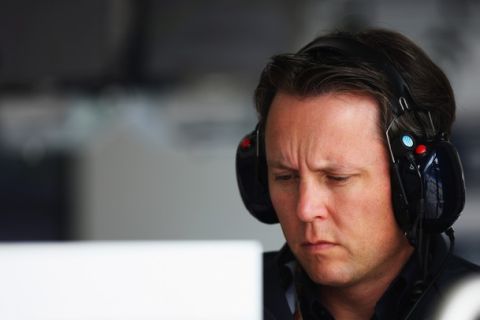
x: 278, y: 164
x: 329, y: 167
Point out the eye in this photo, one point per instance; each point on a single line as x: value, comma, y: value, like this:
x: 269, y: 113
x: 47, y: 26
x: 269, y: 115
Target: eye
x: 338, y: 179
x: 283, y: 177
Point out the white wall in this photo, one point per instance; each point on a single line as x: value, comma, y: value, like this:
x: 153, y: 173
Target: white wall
x: 133, y: 188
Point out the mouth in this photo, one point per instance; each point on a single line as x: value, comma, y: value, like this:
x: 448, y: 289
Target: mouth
x: 320, y: 245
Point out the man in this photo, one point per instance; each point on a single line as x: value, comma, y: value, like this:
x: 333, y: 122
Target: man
x: 351, y: 155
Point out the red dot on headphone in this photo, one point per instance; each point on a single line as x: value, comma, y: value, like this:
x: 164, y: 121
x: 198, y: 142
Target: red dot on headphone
x: 246, y: 143
x: 420, y: 149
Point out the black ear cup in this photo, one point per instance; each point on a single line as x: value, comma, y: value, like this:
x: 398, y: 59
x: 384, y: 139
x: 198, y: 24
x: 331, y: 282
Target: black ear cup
x: 432, y: 178
x: 444, y: 187
x: 251, y: 178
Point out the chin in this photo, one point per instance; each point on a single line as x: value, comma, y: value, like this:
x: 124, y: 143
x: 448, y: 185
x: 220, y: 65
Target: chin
x: 327, y: 274
x: 330, y: 280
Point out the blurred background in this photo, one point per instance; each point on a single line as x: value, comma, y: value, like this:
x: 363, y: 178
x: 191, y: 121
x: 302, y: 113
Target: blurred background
x: 119, y: 119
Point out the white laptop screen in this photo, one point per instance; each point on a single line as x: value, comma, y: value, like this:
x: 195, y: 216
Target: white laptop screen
x: 131, y: 280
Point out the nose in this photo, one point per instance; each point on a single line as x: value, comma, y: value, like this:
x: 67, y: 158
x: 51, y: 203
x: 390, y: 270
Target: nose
x: 311, y: 201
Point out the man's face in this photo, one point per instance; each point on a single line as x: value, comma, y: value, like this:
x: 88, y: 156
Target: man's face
x: 330, y: 186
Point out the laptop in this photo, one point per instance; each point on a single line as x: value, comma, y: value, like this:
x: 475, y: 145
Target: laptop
x: 138, y: 280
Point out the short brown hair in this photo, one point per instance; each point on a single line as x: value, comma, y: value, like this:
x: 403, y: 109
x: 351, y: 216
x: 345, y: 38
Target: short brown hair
x: 306, y: 75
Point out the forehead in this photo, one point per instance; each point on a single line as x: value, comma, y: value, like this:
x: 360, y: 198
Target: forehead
x: 347, y: 107
x: 333, y: 125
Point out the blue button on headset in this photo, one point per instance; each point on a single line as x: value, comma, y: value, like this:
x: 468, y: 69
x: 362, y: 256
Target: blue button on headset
x: 407, y: 141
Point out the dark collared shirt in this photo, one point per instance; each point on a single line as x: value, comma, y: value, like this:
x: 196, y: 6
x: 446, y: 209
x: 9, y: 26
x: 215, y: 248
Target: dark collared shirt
x: 395, y: 303
x: 286, y: 285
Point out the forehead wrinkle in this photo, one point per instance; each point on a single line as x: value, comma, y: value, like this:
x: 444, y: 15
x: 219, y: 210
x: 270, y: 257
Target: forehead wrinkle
x: 304, y: 156
x: 285, y: 157
x: 337, y: 160
x: 318, y: 160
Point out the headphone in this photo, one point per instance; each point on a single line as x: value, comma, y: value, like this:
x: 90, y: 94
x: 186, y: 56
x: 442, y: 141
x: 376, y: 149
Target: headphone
x: 428, y: 188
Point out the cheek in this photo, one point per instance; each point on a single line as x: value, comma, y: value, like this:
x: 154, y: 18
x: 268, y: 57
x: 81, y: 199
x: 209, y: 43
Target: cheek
x: 284, y: 204
x: 283, y: 197
x: 367, y: 208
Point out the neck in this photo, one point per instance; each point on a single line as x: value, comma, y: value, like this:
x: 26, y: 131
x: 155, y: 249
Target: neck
x: 358, y: 301
x: 352, y: 303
